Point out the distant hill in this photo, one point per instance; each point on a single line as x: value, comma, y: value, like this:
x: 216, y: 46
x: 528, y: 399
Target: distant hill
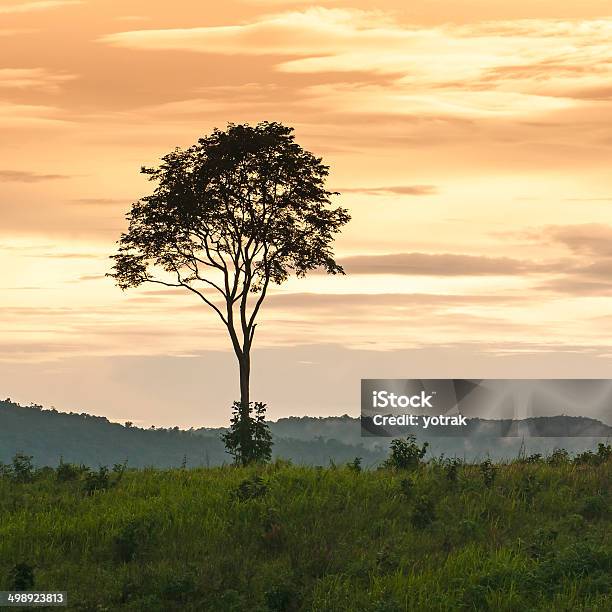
x: 48, y: 434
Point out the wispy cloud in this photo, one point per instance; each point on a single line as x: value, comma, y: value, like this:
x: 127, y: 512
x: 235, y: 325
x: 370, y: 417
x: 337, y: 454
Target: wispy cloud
x: 25, y: 176
x: 100, y: 201
x: 32, y: 78
x: 20, y: 116
x: 16, y: 31
x: 443, y: 264
x: 40, y: 5
x: 413, y: 190
x: 513, y: 67
x: 583, y: 239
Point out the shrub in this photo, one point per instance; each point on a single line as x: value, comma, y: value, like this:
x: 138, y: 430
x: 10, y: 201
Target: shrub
x: 542, y: 542
x: 68, y: 471
x: 423, y: 513
x: 407, y: 487
x: 97, y: 481
x: 559, y: 457
x: 528, y: 487
x: 251, y: 488
x: 273, y: 531
x: 604, y: 451
x: 282, y: 598
x: 452, y: 469
x: 22, y: 470
x: 249, y: 439
x: 132, y: 539
x: 355, y: 464
x: 119, y: 471
x: 22, y: 577
x: 603, y: 454
x: 405, y: 454
x: 488, y: 472
x: 534, y: 458
x: 595, y: 506
x: 178, y: 587
x: 5, y: 470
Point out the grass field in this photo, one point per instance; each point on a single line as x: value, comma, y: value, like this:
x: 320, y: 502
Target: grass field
x: 528, y: 535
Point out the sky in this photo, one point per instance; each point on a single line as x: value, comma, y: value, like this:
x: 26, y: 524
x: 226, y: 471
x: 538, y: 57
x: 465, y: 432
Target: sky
x: 469, y: 140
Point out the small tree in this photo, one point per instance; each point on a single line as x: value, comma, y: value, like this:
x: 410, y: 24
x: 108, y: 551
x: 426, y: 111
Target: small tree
x: 249, y: 438
x: 405, y: 454
x: 235, y: 212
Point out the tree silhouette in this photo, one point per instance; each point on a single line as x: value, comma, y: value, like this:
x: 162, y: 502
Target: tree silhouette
x: 238, y: 210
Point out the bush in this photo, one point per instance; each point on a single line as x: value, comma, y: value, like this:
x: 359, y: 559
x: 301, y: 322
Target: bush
x: 595, y: 506
x: 354, y: 465
x: 97, y: 481
x: 604, y: 451
x: 535, y: 458
x: 407, y: 487
x: 179, y: 588
x: 488, y: 471
x: 423, y: 513
x: 405, y: 454
x: 249, y: 439
x: 559, y: 457
x: 251, y: 488
x: 22, y: 470
x: 68, y: 471
x: 603, y: 454
x: 22, y: 577
x: 132, y: 539
x: 281, y: 598
x: 452, y: 469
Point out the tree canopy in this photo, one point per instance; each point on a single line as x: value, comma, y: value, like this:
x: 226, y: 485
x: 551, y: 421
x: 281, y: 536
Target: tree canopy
x: 248, y: 204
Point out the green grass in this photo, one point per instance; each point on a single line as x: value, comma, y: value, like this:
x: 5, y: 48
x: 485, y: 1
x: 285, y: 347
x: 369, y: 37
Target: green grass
x: 530, y: 537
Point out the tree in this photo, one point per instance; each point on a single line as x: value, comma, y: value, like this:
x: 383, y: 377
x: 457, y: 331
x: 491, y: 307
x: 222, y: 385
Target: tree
x: 235, y: 212
x: 249, y: 438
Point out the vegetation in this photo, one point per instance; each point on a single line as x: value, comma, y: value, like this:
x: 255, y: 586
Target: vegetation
x: 237, y: 211
x: 532, y: 534
x: 249, y: 439
x: 405, y: 454
x: 50, y: 435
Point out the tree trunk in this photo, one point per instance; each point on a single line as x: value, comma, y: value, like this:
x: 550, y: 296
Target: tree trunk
x: 245, y: 435
x: 245, y: 371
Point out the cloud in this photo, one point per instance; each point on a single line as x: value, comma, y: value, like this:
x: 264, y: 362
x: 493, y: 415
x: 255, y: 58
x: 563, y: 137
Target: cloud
x: 100, y: 201
x: 16, y: 32
x: 24, y: 176
x: 65, y: 256
x: 414, y: 190
x: 443, y: 264
x: 577, y: 287
x: 589, y: 272
x: 396, y: 301
x: 289, y: 33
x: 582, y: 239
x: 132, y: 18
x: 40, y: 5
x: 32, y: 78
x: 20, y: 116
x: 590, y: 279
x: 503, y: 68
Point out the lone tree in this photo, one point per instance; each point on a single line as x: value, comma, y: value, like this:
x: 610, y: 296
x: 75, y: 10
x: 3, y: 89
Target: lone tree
x: 238, y: 210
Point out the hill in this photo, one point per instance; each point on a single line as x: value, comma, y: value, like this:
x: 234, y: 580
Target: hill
x: 48, y: 434
x: 93, y: 441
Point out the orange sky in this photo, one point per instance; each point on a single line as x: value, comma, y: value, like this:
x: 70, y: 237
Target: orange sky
x: 470, y: 141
